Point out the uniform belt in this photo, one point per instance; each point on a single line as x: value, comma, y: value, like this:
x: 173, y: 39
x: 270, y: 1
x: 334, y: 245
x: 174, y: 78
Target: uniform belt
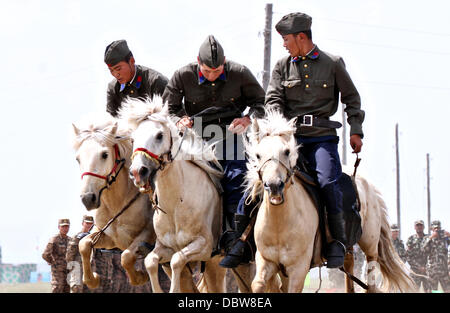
x: 115, y: 251
x: 309, y: 120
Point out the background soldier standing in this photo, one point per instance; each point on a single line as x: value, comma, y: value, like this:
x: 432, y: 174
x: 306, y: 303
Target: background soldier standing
x: 55, y: 255
x: 73, y: 258
x: 435, y: 248
x: 398, y: 244
x: 415, y: 257
x: 131, y: 80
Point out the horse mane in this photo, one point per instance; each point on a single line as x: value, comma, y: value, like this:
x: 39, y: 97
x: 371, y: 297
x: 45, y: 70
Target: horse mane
x: 99, y: 127
x: 192, y: 147
x: 273, y: 124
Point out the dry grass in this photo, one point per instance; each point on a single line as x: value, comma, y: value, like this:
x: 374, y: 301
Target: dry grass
x: 26, y: 288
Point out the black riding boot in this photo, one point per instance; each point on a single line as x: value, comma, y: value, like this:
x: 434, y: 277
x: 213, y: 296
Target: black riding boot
x: 239, y: 252
x: 336, y: 248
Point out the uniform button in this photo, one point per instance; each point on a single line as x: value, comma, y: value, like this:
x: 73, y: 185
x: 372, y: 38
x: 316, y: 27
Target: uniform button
x: 306, y: 76
x: 193, y: 102
x: 307, y: 86
x: 213, y: 84
x: 324, y: 85
x: 303, y: 58
x: 305, y: 65
x: 131, y: 91
x: 232, y: 99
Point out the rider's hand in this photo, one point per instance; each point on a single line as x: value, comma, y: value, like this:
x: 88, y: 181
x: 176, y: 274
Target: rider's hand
x: 356, y: 143
x: 239, y: 125
x: 185, y: 121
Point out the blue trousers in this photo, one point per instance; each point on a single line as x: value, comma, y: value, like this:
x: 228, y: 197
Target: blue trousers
x: 323, y: 158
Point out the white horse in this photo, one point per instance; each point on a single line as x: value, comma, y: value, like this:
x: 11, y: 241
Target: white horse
x: 175, y: 167
x: 103, y: 152
x: 287, y: 222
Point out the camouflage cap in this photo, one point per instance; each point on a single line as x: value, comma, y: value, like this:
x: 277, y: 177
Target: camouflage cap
x: 435, y: 223
x: 419, y: 222
x: 63, y: 222
x: 293, y: 23
x: 88, y: 219
x: 116, y: 51
x: 211, y: 53
x: 394, y: 227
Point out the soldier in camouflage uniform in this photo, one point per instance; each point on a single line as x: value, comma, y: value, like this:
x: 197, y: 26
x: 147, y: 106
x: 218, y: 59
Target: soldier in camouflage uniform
x: 415, y: 257
x: 73, y: 258
x: 435, y: 248
x: 103, y: 266
x: 398, y: 244
x: 131, y: 80
x: 55, y: 255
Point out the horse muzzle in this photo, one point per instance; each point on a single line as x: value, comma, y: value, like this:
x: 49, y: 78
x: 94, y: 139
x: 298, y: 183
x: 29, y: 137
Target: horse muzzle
x: 143, y: 178
x: 90, y: 200
x: 275, y: 192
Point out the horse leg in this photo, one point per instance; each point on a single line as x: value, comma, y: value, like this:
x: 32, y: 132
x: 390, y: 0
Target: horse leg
x: 128, y: 260
x: 244, y: 274
x: 297, y: 274
x: 372, y: 266
x: 91, y: 279
x: 348, y: 266
x: 264, y: 272
x: 213, y: 279
x: 160, y: 254
x: 192, y: 252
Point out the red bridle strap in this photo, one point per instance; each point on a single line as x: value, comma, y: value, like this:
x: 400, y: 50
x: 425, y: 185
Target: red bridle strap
x: 116, y: 163
x: 148, y: 154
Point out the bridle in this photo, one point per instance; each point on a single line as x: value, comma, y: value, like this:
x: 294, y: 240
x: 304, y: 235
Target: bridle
x: 290, y: 171
x: 112, y: 176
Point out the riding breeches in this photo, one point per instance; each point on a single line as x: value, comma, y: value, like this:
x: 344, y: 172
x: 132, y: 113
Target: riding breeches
x: 323, y: 159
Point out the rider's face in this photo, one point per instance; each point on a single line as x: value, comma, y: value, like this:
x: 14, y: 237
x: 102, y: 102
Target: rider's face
x: 123, y: 71
x: 211, y: 74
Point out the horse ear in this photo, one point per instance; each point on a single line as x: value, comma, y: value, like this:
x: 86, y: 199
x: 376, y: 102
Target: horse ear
x: 76, y: 130
x: 255, y: 130
x: 114, y: 128
x: 292, y: 122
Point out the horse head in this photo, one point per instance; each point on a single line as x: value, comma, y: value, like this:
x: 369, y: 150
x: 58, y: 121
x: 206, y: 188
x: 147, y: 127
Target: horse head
x: 152, y: 139
x: 102, y: 151
x: 272, y: 154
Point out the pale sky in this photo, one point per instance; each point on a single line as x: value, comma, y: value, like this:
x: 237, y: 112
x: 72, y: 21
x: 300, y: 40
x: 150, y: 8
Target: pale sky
x: 397, y: 53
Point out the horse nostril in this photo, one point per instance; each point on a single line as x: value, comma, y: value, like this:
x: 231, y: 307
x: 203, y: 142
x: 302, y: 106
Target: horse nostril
x: 89, y: 199
x: 143, y: 171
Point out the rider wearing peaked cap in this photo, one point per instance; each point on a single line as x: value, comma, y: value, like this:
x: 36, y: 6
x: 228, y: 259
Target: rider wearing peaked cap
x: 306, y: 85
x: 215, y: 82
x: 130, y: 79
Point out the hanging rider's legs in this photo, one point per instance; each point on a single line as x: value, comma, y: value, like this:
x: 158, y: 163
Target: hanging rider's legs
x: 323, y: 158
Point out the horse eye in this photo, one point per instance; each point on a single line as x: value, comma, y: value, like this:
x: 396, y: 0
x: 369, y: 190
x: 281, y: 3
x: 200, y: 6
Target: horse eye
x: 258, y: 156
x: 286, y: 152
x: 104, y: 155
x: 159, y: 136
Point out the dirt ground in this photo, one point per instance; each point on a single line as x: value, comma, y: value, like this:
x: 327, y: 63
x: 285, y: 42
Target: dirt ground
x: 26, y: 288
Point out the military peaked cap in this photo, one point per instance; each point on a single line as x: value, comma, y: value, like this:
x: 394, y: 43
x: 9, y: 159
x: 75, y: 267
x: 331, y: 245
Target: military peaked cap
x: 116, y: 51
x: 88, y: 219
x: 394, y: 227
x: 294, y: 23
x: 435, y: 224
x: 419, y: 222
x: 211, y: 53
x: 63, y: 222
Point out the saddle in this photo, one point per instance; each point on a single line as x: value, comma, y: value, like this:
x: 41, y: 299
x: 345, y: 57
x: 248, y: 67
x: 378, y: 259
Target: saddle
x: 351, y: 209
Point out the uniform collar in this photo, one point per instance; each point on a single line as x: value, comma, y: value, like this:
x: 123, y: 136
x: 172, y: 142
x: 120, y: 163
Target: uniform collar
x: 202, y: 79
x: 313, y: 54
x: 136, y: 80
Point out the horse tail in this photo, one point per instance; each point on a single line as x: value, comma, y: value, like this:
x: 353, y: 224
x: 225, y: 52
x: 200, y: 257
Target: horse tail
x: 396, y: 276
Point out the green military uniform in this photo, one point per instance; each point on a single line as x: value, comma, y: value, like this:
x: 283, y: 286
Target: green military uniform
x: 436, y: 252
x: 398, y: 244
x: 417, y: 259
x: 307, y: 87
x: 188, y: 93
x: 146, y: 82
x: 55, y: 255
x: 236, y: 93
